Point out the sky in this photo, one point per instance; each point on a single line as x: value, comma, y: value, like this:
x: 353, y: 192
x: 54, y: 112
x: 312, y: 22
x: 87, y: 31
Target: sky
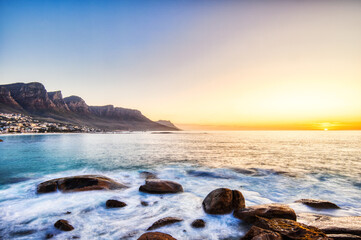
x: 203, y: 64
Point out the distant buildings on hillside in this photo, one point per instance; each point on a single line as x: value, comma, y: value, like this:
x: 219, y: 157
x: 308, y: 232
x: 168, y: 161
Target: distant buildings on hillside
x: 17, y: 123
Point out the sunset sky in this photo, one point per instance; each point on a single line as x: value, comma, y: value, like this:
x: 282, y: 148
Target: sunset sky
x: 201, y: 64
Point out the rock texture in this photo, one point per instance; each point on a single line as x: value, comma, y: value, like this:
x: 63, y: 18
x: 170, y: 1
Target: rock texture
x: 274, y: 210
x: 111, y: 203
x: 256, y: 233
x: 198, y: 223
x: 160, y: 186
x: 34, y: 100
x: 321, y: 204
x: 156, y: 236
x: 167, y: 123
x: 290, y: 229
x: 163, y: 222
x: 63, y: 225
x: 223, y: 201
x: 332, y: 225
x: 79, y: 183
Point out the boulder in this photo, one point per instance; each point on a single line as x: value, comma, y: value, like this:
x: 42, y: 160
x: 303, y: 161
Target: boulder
x: 273, y: 210
x: 321, y: 204
x: 332, y: 225
x: 163, y: 222
x: 111, y: 203
x: 79, y: 183
x: 63, y: 225
x: 223, y: 201
x: 1, y: 140
x: 256, y: 233
x: 156, y: 236
x: 198, y: 223
x: 160, y: 186
x: 290, y: 229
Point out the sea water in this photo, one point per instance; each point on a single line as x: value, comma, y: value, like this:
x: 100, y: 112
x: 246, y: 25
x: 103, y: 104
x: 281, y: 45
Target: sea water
x: 266, y: 166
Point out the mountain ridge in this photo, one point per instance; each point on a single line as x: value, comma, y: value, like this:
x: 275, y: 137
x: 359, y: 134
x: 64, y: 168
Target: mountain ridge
x: 34, y: 100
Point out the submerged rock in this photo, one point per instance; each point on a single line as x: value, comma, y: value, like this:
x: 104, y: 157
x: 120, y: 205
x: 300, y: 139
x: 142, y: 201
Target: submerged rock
x: 223, y: 201
x: 79, y: 183
x: 163, y: 222
x: 273, y: 210
x: 148, y: 175
x: 198, y: 223
x: 160, y: 186
x: 144, y: 203
x: 322, y: 204
x: 256, y: 233
x: 1, y: 140
x: 290, y: 229
x: 111, y: 203
x: 156, y: 236
x: 332, y: 225
x: 63, y: 225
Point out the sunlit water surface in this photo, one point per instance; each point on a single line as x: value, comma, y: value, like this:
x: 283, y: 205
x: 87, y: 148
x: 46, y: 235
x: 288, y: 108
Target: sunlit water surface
x: 282, y: 167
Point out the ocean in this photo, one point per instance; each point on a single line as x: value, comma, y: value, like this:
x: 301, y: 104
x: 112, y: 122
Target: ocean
x: 266, y: 166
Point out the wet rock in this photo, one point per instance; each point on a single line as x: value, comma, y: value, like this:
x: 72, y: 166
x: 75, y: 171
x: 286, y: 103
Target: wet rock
x: 144, y: 203
x: 163, y: 222
x: 256, y: 233
x: 344, y: 237
x: 160, y: 186
x: 1, y: 140
x: 63, y: 225
x: 321, y: 204
x: 223, y: 201
x: 198, y: 223
x: 79, y: 183
x: 290, y: 229
x: 49, y: 235
x: 156, y: 236
x: 148, y: 175
x: 269, y: 211
x: 68, y: 212
x: 111, y: 203
x: 332, y: 225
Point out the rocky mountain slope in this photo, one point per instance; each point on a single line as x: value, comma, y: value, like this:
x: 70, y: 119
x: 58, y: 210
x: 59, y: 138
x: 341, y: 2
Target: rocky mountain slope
x: 34, y: 100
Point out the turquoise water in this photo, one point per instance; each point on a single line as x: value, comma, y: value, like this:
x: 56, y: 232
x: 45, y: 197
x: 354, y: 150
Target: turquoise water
x: 281, y: 167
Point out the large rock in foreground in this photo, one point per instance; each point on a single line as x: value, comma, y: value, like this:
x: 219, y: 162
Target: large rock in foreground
x: 332, y: 225
x: 223, y: 201
x: 321, y: 204
x: 163, y: 222
x: 156, y: 236
x: 269, y: 211
x: 160, y: 186
x: 256, y: 233
x: 79, y: 183
x: 290, y: 229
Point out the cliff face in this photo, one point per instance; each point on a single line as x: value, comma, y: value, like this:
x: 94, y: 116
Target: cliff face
x: 34, y: 100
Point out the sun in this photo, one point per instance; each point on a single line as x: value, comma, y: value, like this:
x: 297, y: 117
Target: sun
x: 325, y: 129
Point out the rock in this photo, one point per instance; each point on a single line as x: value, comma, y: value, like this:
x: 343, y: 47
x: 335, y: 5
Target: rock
x: 144, y: 203
x: 256, y: 233
x: 344, y: 237
x: 160, y: 186
x: 111, y: 203
x: 156, y: 236
x: 49, y: 235
x: 332, y: 225
x: 1, y: 140
x: 290, y: 229
x: 318, y: 203
x: 68, y: 212
x: 164, y: 221
x: 63, y: 225
x: 148, y: 175
x: 198, y: 223
x: 223, y: 201
x: 79, y: 183
x: 269, y: 211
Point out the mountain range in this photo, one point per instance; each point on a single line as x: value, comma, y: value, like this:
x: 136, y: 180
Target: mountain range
x: 34, y: 100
